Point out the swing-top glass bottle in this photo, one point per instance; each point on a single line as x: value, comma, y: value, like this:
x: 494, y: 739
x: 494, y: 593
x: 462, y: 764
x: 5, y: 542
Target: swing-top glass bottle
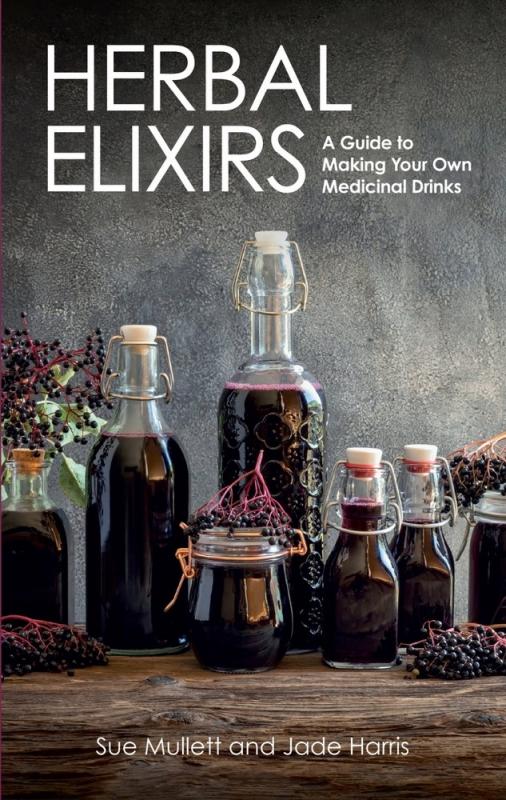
x: 137, y: 495
x: 424, y: 559
x: 273, y: 404
x: 361, y: 588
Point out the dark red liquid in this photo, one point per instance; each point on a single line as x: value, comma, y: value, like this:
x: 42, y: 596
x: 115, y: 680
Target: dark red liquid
x: 362, y: 515
x: 34, y: 564
x: 289, y: 426
x: 360, y: 593
x: 137, y: 495
x: 487, y: 574
x: 241, y: 617
x: 426, y: 580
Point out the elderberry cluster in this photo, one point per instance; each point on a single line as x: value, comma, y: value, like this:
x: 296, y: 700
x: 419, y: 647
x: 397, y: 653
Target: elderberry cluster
x: 473, y: 477
x: 275, y: 524
x: 36, y: 647
x: 39, y: 374
x: 458, y: 653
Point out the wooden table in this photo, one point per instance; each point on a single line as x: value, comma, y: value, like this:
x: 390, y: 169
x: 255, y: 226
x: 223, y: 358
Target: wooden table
x: 456, y: 733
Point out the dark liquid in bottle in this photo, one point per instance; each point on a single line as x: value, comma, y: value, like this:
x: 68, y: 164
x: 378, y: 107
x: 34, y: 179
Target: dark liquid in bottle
x: 426, y: 571
x: 137, y: 496
x: 360, y: 593
x: 241, y: 617
x: 487, y: 575
x: 288, y: 424
x: 34, y: 564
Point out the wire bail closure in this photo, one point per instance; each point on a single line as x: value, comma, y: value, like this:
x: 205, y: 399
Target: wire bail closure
x: 106, y: 380
x: 186, y: 558
x: 451, y: 499
x: 392, y: 502
x: 238, y: 285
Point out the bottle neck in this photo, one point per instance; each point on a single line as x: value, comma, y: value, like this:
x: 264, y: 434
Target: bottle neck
x: 137, y: 417
x: 422, y: 493
x: 271, y: 337
x: 28, y: 487
x: 138, y: 410
x: 138, y: 371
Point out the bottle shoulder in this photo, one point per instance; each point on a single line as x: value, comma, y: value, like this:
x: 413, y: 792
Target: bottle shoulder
x: 45, y: 522
x: 127, y: 448
x: 281, y: 377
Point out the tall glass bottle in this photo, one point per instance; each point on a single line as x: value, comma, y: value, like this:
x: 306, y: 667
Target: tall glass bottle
x: 361, y: 589
x: 273, y: 404
x: 34, y: 544
x: 424, y: 560
x: 137, y: 494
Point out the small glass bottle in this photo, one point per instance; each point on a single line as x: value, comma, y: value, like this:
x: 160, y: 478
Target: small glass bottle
x: 272, y: 404
x: 361, y: 590
x: 424, y: 560
x: 137, y: 495
x: 34, y: 543
x: 487, y: 569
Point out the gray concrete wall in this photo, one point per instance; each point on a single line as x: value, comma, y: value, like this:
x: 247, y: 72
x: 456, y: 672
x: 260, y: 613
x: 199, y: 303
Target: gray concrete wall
x: 405, y: 324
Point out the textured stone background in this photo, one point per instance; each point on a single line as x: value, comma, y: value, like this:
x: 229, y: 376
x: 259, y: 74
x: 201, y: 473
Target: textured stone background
x: 405, y: 325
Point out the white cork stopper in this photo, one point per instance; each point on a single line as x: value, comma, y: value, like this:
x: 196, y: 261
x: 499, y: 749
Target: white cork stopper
x: 420, y: 453
x: 271, y: 242
x: 364, y: 456
x: 138, y: 334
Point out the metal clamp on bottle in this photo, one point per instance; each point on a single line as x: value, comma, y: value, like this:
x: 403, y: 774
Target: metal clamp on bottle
x: 135, y: 337
x: 270, y: 243
x: 372, y: 467
x: 437, y: 462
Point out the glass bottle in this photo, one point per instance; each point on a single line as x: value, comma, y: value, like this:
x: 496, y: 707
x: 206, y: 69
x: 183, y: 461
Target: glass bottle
x: 487, y: 569
x: 34, y: 543
x: 273, y: 404
x: 361, y: 590
x: 424, y: 560
x: 137, y: 495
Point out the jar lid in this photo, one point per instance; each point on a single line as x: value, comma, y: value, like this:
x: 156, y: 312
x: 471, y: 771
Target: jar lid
x: 243, y: 546
x: 491, y: 505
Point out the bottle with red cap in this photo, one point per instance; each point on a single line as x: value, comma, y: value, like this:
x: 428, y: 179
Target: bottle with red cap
x: 361, y: 591
x: 424, y: 559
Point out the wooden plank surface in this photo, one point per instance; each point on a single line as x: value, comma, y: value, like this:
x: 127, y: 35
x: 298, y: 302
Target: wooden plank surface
x: 456, y: 733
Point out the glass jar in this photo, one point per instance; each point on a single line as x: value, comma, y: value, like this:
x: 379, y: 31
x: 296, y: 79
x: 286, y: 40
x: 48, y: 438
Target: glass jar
x: 487, y: 569
x: 240, y: 608
x: 360, y: 584
x: 424, y: 559
x: 34, y: 543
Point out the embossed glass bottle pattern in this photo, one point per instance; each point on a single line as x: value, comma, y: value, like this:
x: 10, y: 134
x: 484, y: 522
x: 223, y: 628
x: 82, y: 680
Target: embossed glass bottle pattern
x: 273, y: 404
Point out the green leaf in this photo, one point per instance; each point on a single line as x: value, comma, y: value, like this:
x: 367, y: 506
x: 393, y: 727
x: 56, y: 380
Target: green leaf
x: 46, y: 408
x: 72, y: 480
x: 63, y: 376
x: 5, y: 493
